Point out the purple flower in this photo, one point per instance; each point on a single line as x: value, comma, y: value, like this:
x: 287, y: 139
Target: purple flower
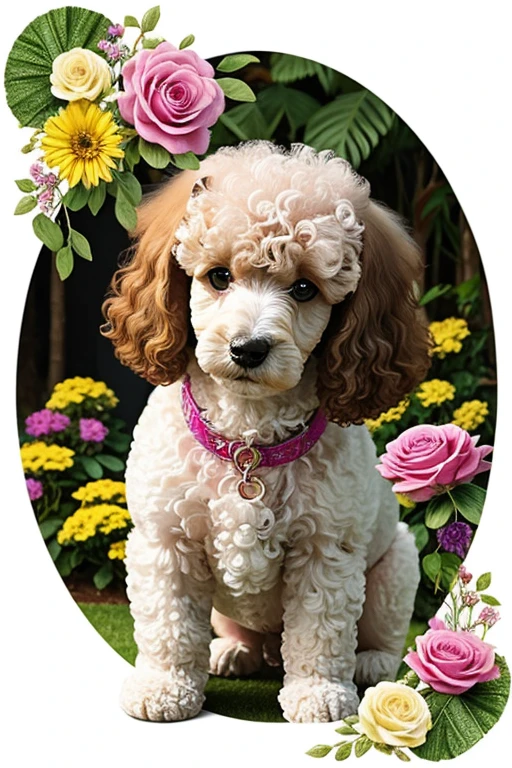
x: 45, y: 422
x: 34, y: 488
x: 103, y: 45
x: 116, y: 30
x: 92, y: 430
x: 455, y: 537
x: 36, y: 171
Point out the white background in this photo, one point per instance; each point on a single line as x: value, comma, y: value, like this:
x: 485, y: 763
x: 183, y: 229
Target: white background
x: 443, y: 67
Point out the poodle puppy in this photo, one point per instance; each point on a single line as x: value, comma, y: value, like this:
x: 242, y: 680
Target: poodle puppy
x: 251, y: 483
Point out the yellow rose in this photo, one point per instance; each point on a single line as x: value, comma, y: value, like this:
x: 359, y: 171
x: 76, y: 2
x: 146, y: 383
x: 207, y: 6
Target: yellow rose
x: 80, y: 74
x: 392, y: 713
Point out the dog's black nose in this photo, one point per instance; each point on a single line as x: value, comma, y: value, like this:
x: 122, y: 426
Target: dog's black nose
x: 249, y: 353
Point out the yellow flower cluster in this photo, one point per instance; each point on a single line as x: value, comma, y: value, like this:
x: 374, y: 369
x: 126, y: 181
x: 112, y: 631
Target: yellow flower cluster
x: 435, y: 392
x: 117, y: 550
x: 86, y: 522
x: 101, y: 490
x: 448, y: 334
x: 405, y: 501
x: 470, y: 414
x: 76, y: 390
x: 38, y: 457
x: 393, y: 414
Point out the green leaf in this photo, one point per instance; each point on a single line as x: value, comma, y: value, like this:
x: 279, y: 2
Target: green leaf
x: 188, y: 40
x: 119, y: 443
x: 279, y: 100
x: 236, y: 89
x: 28, y: 148
x: 103, y: 576
x: 483, y: 582
x: 321, y: 750
x: 450, y: 564
x: 50, y: 527
x: 285, y: 68
x: 130, y: 185
x: 150, y: 19
x: 152, y: 42
x: 421, y: 535
x: 154, y: 155
x: 125, y: 211
x: 186, y: 161
x: 131, y: 21
x: 434, y: 293
x: 80, y: 244
x: 48, y: 232
x: 64, y: 262
x: 402, y: 755
x: 26, y: 185
x: 437, y: 199
x: 76, y: 198
x: 459, y: 722
x: 246, y: 122
x: 343, y: 751
x: 110, y: 462
x: 26, y: 204
x: 469, y: 500
x: 63, y: 562
x: 92, y: 467
x: 54, y: 548
x: 384, y: 748
x: 439, y: 511
x: 362, y: 745
x: 346, y: 730
x: 236, y: 61
x: 351, y: 719
x: 432, y: 565
x: 76, y: 558
x: 132, y: 154
x: 489, y: 600
x: 97, y: 197
x: 30, y: 61
x: 351, y: 125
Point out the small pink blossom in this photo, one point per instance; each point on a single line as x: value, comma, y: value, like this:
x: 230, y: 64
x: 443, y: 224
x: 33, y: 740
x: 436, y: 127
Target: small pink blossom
x: 115, y: 30
x: 426, y: 460
x: 45, y: 422
x: 171, y: 98
x: 452, y: 662
x: 37, y: 173
x: 34, y: 488
x: 469, y: 599
x: 488, y: 616
x: 464, y: 575
x: 92, y: 430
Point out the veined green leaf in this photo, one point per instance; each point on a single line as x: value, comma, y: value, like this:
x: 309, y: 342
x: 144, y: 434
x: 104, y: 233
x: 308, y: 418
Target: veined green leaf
x: 236, y: 61
x: 236, y: 89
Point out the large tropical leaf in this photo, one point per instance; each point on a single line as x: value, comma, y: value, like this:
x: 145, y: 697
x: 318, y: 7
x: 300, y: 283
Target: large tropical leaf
x: 458, y: 722
x: 286, y: 68
x: 279, y: 100
x: 246, y: 122
x: 29, y: 65
x: 351, y: 125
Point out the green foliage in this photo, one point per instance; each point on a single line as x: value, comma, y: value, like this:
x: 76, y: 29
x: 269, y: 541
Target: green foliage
x: 48, y: 232
x: 236, y: 89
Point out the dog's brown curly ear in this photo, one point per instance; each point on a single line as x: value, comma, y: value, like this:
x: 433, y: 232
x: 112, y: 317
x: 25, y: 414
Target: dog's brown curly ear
x: 377, y: 347
x: 146, y: 312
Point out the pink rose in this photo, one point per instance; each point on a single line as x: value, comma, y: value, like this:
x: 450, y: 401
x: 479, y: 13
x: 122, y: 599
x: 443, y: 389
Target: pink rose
x: 452, y: 662
x: 425, y: 460
x: 171, y: 98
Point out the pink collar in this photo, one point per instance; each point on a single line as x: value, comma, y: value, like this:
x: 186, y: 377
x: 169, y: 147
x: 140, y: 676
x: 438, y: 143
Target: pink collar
x: 267, y: 455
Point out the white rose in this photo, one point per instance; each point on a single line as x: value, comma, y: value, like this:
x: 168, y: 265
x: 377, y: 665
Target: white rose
x: 394, y: 714
x: 80, y: 74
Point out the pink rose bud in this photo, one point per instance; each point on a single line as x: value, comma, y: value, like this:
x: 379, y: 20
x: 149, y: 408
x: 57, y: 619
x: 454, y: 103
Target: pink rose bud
x: 171, y: 98
x: 470, y: 598
x: 427, y: 459
x: 464, y: 575
x: 452, y: 662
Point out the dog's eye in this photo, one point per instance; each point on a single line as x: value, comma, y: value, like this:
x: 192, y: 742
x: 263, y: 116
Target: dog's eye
x: 303, y: 290
x: 219, y: 278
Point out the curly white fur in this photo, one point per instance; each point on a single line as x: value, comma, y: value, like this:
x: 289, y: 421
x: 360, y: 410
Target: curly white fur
x: 299, y: 561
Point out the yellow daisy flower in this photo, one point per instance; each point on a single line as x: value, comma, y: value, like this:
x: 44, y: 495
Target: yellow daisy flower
x: 82, y: 140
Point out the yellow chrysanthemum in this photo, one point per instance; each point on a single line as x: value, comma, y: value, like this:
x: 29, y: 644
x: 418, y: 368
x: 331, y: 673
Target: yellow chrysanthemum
x: 470, y: 414
x: 86, y: 522
x: 435, y: 392
x: 117, y: 550
x: 101, y: 490
x: 447, y: 335
x: 76, y: 390
x: 82, y: 140
x: 393, y: 414
x: 38, y: 456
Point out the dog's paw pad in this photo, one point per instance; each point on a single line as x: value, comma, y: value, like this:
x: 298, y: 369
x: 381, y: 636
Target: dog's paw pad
x: 314, y: 701
x: 161, y: 696
x: 232, y: 658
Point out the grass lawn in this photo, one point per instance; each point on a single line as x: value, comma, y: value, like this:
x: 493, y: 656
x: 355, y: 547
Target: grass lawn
x: 252, y: 698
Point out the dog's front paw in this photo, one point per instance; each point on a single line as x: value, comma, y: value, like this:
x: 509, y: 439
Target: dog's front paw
x: 231, y: 657
x: 317, y: 701
x: 151, y: 694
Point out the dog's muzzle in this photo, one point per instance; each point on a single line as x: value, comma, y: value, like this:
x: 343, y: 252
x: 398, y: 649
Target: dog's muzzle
x: 247, y: 352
